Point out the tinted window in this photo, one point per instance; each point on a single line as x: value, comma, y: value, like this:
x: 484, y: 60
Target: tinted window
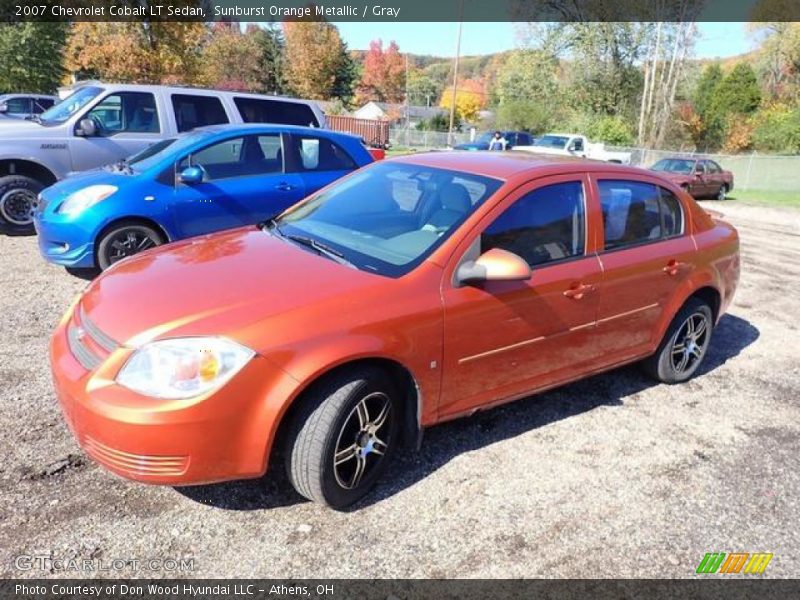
x: 197, y: 111
x: 18, y: 106
x: 577, y: 145
x: 125, y: 112
x: 630, y: 213
x: 238, y: 157
x: 543, y: 226
x: 311, y: 153
x: 42, y: 104
x: 255, y: 110
x: 672, y: 213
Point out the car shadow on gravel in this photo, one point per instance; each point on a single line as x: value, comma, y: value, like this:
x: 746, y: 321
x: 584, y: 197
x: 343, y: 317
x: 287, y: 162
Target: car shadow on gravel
x: 444, y: 442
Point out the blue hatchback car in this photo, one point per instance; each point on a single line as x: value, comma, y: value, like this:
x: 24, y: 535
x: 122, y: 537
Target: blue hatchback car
x: 213, y: 178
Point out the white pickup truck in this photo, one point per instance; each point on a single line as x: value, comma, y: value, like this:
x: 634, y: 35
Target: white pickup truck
x: 571, y: 144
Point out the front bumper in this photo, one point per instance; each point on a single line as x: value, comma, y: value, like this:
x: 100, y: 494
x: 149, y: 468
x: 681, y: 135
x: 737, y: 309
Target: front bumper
x: 221, y: 436
x: 63, y: 242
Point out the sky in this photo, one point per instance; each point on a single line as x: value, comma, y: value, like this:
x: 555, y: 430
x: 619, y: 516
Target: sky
x: 716, y: 40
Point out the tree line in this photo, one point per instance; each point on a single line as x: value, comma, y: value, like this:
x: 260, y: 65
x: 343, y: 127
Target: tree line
x: 618, y: 82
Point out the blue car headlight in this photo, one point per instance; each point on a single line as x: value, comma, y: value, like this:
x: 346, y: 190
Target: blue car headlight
x: 79, y: 201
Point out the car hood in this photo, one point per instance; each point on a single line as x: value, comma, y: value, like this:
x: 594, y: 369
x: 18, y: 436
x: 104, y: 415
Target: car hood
x: 14, y: 129
x: 227, y: 284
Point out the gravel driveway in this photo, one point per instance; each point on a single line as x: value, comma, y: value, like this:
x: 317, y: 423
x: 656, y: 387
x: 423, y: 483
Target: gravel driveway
x: 612, y: 476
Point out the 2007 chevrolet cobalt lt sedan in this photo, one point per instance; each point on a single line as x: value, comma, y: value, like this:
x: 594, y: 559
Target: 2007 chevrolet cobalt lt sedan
x: 411, y: 292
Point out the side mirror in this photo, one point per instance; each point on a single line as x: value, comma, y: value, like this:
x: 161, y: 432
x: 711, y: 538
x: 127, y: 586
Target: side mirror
x: 86, y: 128
x: 3, y: 108
x: 494, y: 265
x: 191, y: 175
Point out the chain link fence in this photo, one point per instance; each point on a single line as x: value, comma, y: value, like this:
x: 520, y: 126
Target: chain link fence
x: 754, y: 171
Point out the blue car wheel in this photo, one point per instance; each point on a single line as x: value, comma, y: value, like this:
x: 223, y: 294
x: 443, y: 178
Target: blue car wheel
x: 126, y: 239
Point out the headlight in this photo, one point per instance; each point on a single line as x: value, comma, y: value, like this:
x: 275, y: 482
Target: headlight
x: 183, y: 367
x: 84, y: 198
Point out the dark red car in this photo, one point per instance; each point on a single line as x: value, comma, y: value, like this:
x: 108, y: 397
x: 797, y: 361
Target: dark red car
x: 701, y: 177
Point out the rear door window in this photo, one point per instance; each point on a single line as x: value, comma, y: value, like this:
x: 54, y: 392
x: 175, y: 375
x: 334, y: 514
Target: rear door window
x: 257, y: 110
x: 19, y: 106
x: 197, y: 111
x: 635, y: 212
x: 312, y: 153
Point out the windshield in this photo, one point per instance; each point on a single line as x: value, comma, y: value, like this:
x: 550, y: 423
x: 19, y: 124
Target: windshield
x: 70, y: 105
x: 175, y: 147
x: 551, y: 141
x: 674, y: 165
x: 146, y: 158
x: 389, y: 217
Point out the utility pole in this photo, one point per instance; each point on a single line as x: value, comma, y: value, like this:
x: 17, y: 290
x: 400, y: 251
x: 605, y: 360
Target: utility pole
x: 455, y: 74
x: 408, y: 125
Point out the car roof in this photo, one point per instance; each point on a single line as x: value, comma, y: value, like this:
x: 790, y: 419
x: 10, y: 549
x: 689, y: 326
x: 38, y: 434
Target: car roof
x: 249, y: 128
x: 506, y: 165
x: 179, y: 89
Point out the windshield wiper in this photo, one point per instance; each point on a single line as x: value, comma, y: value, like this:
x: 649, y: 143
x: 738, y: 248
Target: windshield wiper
x: 319, y: 247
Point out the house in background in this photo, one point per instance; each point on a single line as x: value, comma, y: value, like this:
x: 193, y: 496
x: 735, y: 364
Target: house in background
x: 396, y: 113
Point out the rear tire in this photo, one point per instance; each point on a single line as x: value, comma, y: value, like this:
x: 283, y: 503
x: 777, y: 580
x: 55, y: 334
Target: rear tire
x: 684, y: 346
x: 126, y: 239
x: 18, y: 197
x: 341, y: 440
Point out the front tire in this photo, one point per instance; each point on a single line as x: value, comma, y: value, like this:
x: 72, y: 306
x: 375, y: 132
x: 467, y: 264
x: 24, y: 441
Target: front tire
x: 18, y: 197
x: 343, y: 436
x: 723, y: 192
x: 684, y: 346
x: 124, y: 240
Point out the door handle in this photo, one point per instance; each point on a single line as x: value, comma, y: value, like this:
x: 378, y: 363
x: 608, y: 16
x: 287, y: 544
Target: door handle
x: 284, y: 187
x: 673, y: 267
x: 578, y: 291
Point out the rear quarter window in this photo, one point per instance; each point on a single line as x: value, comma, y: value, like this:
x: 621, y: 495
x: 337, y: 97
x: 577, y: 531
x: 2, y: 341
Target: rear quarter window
x: 257, y: 110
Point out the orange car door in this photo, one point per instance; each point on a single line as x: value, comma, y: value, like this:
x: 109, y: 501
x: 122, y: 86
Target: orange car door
x: 647, y: 254
x: 505, y: 338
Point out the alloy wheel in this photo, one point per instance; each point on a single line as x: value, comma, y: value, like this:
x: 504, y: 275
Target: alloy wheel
x: 128, y: 242
x: 17, y: 206
x: 360, y: 446
x: 689, y: 343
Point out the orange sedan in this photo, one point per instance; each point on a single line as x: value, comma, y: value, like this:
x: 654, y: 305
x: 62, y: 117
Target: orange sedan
x: 416, y: 290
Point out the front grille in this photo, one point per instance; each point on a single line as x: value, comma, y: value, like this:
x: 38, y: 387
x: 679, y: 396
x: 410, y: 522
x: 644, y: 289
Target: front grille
x: 135, y: 464
x: 81, y: 330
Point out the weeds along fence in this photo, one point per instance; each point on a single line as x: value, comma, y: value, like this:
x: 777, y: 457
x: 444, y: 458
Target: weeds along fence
x: 750, y: 171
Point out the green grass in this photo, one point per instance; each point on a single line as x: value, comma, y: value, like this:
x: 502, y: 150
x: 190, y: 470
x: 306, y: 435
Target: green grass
x: 766, y: 197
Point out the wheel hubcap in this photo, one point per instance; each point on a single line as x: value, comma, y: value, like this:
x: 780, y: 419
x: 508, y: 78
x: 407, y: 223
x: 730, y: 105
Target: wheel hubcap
x: 361, y: 444
x: 17, y: 206
x: 690, y: 343
x: 127, y: 243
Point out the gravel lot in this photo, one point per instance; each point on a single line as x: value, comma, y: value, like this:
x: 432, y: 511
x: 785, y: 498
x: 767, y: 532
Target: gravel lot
x: 612, y: 476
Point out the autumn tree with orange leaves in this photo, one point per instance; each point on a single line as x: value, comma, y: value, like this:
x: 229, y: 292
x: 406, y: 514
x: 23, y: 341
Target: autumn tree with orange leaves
x: 143, y: 52
x: 383, y: 78
x: 317, y: 64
